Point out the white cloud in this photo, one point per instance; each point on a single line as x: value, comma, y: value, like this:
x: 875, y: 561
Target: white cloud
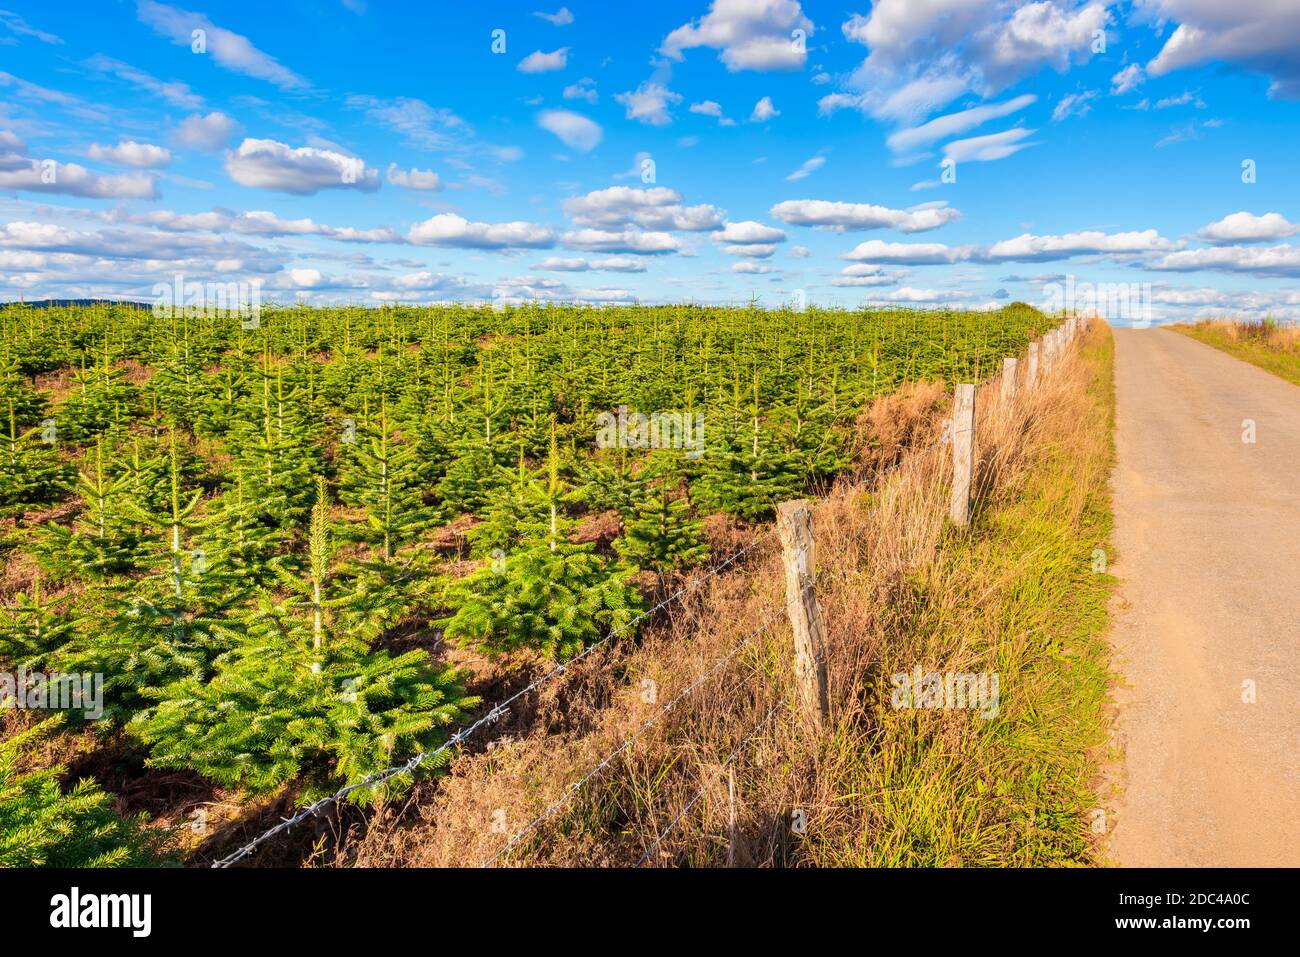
x: 994, y: 146
x: 612, y: 264
x: 1073, y: 104
x: 413, y: 178
x: 539, y: 62
x: 649, y: 103
x: 448, y: 229
x: 71, y: 179
x: 763, y: 111
x: 800, y: 252
x: 1127, y: 79
x: 269, y: 164
x: 621, y: 241
x: 751, y: 34
x: 1280, y: 260
x: 753, y: 268
x: 748, y: 232
x: 954, y: 124
x: 176, y: 93
x: 574, y: 130
x: 707, y: 108
x: 1246, y: 227
x: 1260, y: 35
x: 751, y: 250
x: 206, y: 133
x: 921, y: 254
x: 422, y: 126
x: 131, y: 153
x: 1030, y: 248
x: 838, y: 216
x: 16, y: 24
x: 230, y: 50
x: 560, y: 18
x: 656, y: 208
x: 806, y: 168
x: 584, y: 89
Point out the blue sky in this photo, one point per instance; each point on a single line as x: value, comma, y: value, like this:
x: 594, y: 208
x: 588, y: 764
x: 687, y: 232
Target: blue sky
x: 370, y: 151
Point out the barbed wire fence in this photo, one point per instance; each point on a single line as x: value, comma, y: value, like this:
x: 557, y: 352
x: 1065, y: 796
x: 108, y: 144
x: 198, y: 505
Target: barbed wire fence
x: 1053, y: 343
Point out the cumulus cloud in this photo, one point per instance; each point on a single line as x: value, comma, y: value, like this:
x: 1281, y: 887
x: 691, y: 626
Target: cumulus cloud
x: 753, y: 268
x: 230, y: 50
x: 612, y: 264
x: 1260, y: 35
x: 839, y: 217
x: 131, y: 153
x: 751, y: 250
x: 650, y: 103
x: 539, y: 62
x: 424, y: 179
x: 448, y: 229
x: 206, y: 133
x: 72, y: 179
x: 573, y: 129
x: 763, y: 111
x: 1030, y: 248
x: 920, y: 254
x: 656, y: 208
x: 1280, y: 260
x: 303, y: 171
x: 584, y: 89
x: 748, y: 232
x: 749, y: 35
x: 621, y: 241
x: 1246, y: 227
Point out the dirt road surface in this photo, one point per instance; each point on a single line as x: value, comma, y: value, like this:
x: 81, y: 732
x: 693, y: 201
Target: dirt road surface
x: 1208, y: 552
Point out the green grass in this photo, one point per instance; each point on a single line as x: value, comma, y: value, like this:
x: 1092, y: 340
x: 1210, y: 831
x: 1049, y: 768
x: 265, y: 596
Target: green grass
x: 1281, y: 361
x: 1018, y: 597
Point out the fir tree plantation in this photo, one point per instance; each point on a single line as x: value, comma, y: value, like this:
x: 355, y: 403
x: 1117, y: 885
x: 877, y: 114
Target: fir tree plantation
x: 231, y: 525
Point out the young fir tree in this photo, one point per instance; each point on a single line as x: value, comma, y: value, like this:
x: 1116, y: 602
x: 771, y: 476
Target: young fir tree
x: 549, y: 595
x: 240, y: 544
x: 103, y: 544
x: 170, y: 622
x: 31, y: 473
x: 303, y: 697
x: 103, y: 401
x: 663, y: 536
x: 749, y: 475
x: 379, y: 474
x: 35, y: 627
x: 42, y: 825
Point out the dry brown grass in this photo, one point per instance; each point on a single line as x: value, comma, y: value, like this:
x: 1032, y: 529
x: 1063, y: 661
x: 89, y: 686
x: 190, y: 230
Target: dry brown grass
x: 893, y: 575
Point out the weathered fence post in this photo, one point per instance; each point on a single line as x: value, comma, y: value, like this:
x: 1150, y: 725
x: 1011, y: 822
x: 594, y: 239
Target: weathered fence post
x: 963, y: 452
x: 1009, y: 366
x: 1031, y: 366
x: 799, y: 555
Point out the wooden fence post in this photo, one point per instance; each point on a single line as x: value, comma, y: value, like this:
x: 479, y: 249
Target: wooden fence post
x: 1009, y: 366
x: 1031, y: 366
x: 799, y: 555
x: 963, y: 452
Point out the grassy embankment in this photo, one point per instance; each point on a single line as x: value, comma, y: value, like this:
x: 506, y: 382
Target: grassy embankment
x: 1265, y: 344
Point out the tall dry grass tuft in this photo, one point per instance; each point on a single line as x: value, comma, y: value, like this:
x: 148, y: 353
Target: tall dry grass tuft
x: 605, y: 768
x: 1266, y: 343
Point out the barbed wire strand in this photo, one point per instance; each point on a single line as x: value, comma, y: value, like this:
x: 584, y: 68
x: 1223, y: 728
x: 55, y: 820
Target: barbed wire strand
x: 632, y: 738
x: 735, y: 753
